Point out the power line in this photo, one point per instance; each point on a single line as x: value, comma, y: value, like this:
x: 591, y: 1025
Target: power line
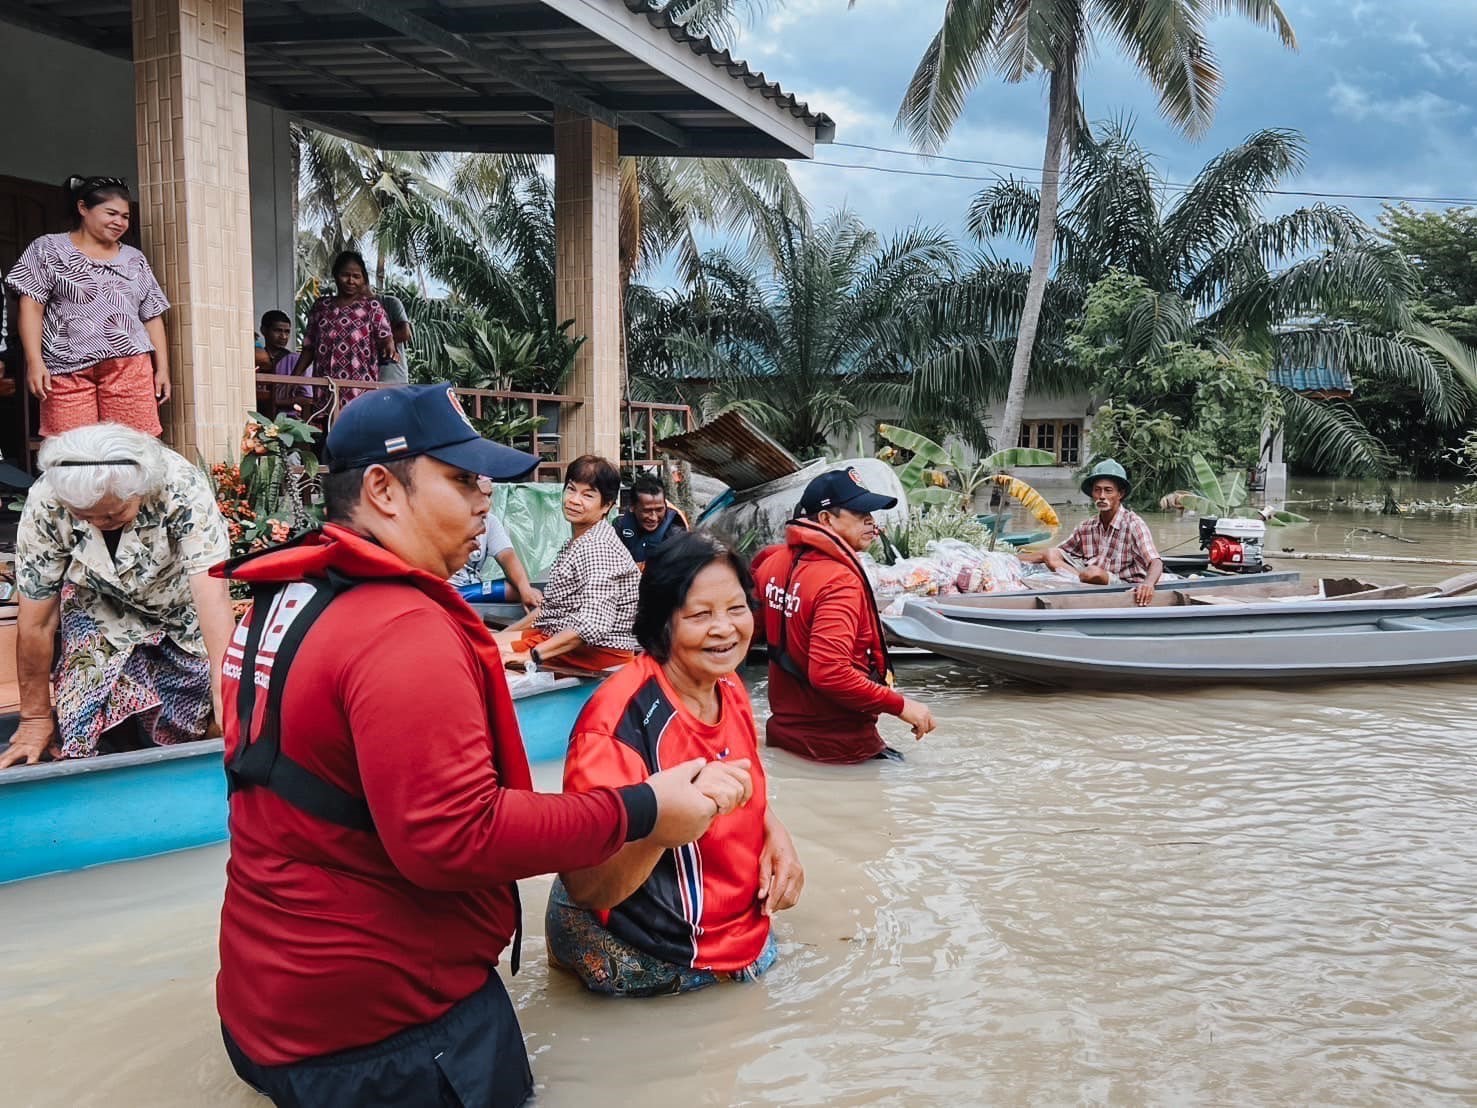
x: 1454, y: 200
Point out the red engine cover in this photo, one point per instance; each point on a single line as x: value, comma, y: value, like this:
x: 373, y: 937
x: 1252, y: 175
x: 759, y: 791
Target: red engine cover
x: 1225, y: 552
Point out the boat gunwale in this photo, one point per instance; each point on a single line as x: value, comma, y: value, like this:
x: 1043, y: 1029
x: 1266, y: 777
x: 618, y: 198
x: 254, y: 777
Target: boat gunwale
x: 1343, y: 605
x: 131, y: 759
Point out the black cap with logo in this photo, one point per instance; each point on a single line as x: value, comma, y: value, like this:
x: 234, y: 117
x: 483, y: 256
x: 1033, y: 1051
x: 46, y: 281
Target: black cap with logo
x: 842, y: 488
x: 390, y: 424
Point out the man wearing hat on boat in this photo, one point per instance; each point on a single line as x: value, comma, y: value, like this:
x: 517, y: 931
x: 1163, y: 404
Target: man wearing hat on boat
x: 1114, y: 545
x: 829, y: 674
x: 381, y: 806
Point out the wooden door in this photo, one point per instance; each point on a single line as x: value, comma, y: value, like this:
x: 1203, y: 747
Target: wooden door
x: 27, y: 209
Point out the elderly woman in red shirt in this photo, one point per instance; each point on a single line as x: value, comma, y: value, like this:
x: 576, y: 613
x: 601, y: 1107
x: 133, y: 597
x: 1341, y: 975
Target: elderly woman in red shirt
x: 650, y: 920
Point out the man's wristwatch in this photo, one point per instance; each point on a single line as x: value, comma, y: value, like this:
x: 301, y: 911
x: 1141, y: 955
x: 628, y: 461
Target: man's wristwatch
x: 533, y: 655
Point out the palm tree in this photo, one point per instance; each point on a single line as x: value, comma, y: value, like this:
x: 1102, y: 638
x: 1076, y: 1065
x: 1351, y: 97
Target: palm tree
x: 353, y: 197
x: 1019, y: 38
x: 792, y: 344
x: 1313, y: 287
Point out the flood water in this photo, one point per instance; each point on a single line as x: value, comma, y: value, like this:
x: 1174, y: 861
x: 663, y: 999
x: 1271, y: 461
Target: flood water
x: 1225, y: 896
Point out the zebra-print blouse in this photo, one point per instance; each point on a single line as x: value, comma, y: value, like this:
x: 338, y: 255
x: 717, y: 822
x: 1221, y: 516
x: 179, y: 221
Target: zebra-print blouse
x: 94, y: 309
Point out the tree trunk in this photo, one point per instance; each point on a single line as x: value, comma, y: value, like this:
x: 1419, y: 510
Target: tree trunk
x: 1061, y: 99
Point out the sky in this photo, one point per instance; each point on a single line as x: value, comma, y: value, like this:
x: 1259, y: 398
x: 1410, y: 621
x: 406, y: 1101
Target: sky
x: 1384, y: 93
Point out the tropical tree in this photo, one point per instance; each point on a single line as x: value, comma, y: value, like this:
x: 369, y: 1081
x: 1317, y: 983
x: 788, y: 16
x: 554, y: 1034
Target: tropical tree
x: 791, y: 342
x: 1021, y: 38
x: 1314, y: 287
x: 355, y: 197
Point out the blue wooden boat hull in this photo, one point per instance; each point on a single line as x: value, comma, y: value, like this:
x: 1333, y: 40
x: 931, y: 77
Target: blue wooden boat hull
x: 64, y: 816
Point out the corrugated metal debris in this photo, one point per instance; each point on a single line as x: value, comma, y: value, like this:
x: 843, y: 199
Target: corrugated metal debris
x: 734, y: 451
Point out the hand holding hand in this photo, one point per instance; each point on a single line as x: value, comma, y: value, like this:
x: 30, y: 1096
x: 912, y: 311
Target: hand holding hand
x: 726, y: 784
x: 918, y: 717
x: 683, y: 811
x: 533, y: 598
x: 781, y: 876
x: 32, y: 739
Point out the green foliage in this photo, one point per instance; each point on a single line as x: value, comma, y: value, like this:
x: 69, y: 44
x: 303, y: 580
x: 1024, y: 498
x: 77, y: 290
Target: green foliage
x: 1019, y: 39
x: 1167, y: 397
x: 508, y: 423
x: 1442, y: 246
x: 935, y: 476
x: 1309, y: 288
x: 1227, y: 495
x: 793, y: 340
x: 924, y: 525
x: 495, y: 357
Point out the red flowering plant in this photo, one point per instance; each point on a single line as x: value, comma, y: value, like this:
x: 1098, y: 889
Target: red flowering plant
x: 272, y: 493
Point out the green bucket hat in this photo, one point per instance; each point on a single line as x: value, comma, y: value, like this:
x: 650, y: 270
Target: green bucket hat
x: 1106, y: 468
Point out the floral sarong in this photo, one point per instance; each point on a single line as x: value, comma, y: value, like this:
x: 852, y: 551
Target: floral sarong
x: 606, y: 964
x: 99, y: 685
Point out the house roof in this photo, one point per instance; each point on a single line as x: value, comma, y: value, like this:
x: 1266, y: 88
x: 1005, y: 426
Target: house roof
x: 487, y: 75
x: 1318, y: 381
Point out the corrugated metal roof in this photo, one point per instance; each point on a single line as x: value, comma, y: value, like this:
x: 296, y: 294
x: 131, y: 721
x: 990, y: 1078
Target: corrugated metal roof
x: 1317, y: 379
x: 705, y: 47
x: 734, y: 451
x: 486, y: 75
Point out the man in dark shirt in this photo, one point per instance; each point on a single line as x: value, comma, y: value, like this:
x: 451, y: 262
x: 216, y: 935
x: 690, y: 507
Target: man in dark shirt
x: 650, y: 521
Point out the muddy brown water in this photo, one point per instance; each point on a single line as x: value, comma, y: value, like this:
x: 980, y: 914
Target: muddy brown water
x: 1223, y: 896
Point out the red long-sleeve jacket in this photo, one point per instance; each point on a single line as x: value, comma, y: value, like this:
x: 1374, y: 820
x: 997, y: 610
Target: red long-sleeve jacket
x: 333, y: 938
x: 816, y: 601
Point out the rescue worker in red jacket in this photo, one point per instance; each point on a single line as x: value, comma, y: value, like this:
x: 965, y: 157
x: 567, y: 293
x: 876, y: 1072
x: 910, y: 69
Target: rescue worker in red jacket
x: 381, y: 804
x: 829, y: 674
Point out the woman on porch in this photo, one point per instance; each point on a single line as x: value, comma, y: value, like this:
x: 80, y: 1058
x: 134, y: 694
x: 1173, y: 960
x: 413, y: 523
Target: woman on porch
x: 348, y: 333
x: 91, y: 318
x: 117, y: 610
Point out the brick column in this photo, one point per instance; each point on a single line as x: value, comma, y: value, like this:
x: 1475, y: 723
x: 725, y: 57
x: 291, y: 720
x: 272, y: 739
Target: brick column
x: 587, y: 179
x: 194, y: 200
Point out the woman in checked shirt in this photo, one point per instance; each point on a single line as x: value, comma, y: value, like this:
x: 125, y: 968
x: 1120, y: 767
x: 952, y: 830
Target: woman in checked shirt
x: 589, y: 604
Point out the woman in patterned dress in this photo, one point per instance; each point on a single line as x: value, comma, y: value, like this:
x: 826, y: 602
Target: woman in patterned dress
x: 348, y: 333
x: 117, y: 610
x: 91, y: 318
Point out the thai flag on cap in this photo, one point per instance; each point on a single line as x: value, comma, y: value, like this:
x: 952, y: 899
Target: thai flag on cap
x: 396, y: 445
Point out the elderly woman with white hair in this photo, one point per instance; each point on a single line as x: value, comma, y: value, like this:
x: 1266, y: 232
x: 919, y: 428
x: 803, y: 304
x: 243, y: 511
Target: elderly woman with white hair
x: 117, y: 610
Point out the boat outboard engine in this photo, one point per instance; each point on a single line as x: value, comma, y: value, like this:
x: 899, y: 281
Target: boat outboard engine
x: 1234, y: 545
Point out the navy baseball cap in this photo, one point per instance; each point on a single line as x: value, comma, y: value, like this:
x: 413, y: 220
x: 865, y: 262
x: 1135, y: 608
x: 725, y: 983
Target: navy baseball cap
x: 388, y: 425
x: 842, y: 488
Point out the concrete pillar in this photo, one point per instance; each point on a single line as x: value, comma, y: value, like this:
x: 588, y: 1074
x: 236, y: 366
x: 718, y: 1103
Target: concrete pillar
x: 190, y: 95
x: 587, y: 179
x: 1275, y: 493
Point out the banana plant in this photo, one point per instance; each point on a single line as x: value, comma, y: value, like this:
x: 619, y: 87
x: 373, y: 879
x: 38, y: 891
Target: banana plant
x: 937, y: 476
x: 1226, y: 496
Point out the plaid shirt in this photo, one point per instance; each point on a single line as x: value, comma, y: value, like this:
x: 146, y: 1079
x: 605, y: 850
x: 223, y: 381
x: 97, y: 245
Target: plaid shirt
x: 1125, y: 548
x: 592, y: 590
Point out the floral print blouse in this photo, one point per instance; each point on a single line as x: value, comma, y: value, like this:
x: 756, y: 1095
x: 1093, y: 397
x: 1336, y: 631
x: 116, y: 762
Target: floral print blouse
x: 178, y: 533
x: 95, y: 309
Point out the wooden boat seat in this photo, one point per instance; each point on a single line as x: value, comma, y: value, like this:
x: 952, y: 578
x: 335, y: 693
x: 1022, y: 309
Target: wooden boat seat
x: 1459, y: 585
x: 1387, y: 592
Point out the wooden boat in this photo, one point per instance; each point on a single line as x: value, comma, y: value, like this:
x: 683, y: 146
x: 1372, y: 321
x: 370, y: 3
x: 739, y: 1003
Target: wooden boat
x: 1287, y: 633
x: 61, y: 816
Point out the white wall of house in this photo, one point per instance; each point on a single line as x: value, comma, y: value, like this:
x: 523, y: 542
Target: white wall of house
x: 1057, y: 483
x: 66, y: 109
